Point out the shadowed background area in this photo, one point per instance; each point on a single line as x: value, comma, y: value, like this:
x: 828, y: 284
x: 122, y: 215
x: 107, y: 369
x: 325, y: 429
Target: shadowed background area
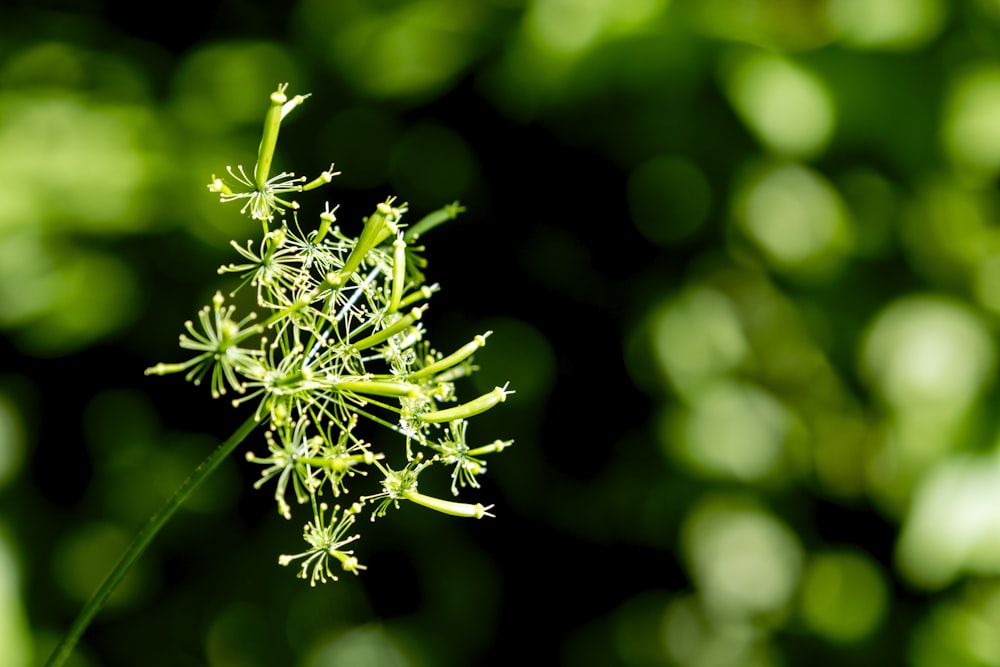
x: 742, y: 262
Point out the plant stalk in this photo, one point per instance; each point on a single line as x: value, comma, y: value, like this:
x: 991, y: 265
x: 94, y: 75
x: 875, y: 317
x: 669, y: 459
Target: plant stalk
x: 142, y: 540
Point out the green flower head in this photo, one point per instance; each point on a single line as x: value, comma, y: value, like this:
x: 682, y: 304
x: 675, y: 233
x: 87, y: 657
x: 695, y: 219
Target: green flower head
x: 336, y: 339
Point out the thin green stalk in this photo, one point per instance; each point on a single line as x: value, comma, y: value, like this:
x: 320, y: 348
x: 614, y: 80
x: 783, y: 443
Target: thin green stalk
x: 142, y: 540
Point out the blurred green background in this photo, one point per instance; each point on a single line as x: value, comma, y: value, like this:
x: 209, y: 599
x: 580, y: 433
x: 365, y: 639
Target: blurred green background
x: 742, y: 260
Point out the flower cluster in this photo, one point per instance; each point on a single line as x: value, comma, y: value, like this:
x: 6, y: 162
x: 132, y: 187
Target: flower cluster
x: 336, y: 338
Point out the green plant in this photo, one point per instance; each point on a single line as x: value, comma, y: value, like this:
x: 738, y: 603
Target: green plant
x: 336, y: 338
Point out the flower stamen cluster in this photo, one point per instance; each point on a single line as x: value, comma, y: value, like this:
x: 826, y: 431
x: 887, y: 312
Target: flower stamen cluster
x: 326, y: 539
x: 337, y: 339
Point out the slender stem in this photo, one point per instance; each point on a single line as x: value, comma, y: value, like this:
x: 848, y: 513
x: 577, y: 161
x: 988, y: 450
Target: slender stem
x: 142, y: 540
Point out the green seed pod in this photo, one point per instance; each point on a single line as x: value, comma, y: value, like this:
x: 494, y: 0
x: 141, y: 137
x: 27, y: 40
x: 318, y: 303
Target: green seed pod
x: 322, y: 179
x: 378, y: 388
x: 398, y: 273
x: 467, y: 510
x: 326, y: 218
x: 474, y: 407
x: 453, y: 359
x: 272, y: 122
x: 396, y: 327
